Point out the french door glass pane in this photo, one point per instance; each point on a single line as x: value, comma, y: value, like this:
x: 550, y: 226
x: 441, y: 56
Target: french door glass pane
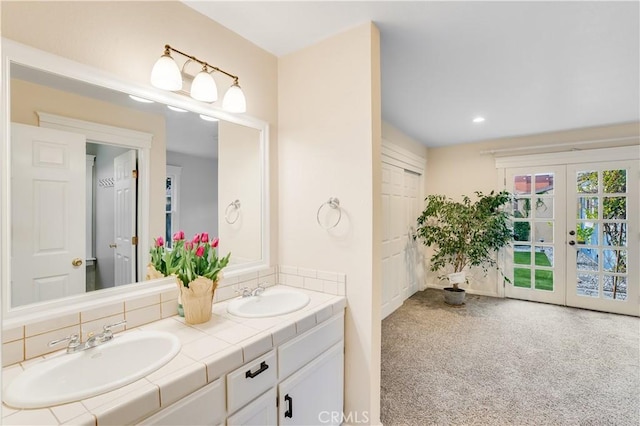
x: 588, y: 285
x: 544, y: 280
x: 544, y: 183
x: 614, y: 287
x: 522, y: 184
x: 587, y: 259
x: 614, y: 261
x: 544, y: 256
x: 544, y: 208
x: 587, y: 182
x: 614, y: 234
x: 587, y: 233
x: 614, y: 207
x: 587, y: 208
x: 522, y: 277
x: 521, y: 231
x: 614, y: 181
x: 544, y: 232
x: 522, y: 255
x: 522, y: 207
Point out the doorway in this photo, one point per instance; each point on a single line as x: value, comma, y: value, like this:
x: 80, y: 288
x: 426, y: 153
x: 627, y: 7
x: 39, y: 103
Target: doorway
x: 575, y: 235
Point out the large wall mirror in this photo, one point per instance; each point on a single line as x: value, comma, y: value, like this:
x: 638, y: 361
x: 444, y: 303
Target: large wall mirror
x: 98, y: 168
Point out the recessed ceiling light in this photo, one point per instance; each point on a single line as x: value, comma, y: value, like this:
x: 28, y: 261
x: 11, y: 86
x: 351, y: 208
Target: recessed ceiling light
x: 478, y: 119
x: 139, y: 99
x: 208, y: 118
x: 176, y: 109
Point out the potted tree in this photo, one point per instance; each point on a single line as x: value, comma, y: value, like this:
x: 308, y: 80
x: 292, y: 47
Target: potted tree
x: 464, y: 234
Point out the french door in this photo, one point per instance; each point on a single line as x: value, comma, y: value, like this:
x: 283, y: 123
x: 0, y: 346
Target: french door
x: 576, y: 229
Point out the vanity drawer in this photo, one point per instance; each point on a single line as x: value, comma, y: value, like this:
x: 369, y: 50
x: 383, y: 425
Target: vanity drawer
x: 251, y: 380
x: 303, y: 349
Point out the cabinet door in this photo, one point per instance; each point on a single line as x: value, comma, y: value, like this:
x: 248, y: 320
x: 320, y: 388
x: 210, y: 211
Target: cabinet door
x: 251, y: 380
x: 203, y: 407
x: 314, y: 394
x: 260, y: 412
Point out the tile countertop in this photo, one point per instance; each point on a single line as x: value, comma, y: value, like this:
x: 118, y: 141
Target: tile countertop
x: 209, y: 351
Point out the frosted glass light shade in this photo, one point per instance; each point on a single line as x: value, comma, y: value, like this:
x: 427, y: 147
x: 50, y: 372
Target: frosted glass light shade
x: 166, y: 74
x: 234, y: 100
x: 204, y: 87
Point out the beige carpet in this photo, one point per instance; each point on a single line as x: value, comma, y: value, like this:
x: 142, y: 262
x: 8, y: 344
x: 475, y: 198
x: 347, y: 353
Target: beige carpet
x: 508, y: 362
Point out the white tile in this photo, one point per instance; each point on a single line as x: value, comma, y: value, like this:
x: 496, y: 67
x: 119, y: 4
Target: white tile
x: 225, y: 293
x: 38, y: 345
x: 268, y: 281
x: 313, y: 284
x: 262, y: 323
x: 141, y: 316
x: 283, y: 333
x: 11, y: 334
x: 330, y: 287
x: 324, y: 313
x: 342, y: 278
x: 12, y: 352
x: 7, y: 411
x: 96, y: 326
x: 179, y: 362
x: 169, y: 308
x: 282, y: 278
x: 101, y: 312
x: 83, y: 420
x: 291, y: 270
x: 227, y: 281
x: 257, y: 345
x: 31, y: 418
x: 169, y: 295
x: 129, y: 408
x: 223, y: 362
x: 305, y: 323
x: 172, y: 325
x: 247, y: 277
x: 51, y: 324
x: 181, y: 383
x: 214, y: 325
x: 341, y: 289
x: 66, y: 412
x: 295, y: 281
x: 328, y: 276
x: 203, y: 347
x: 10, y: 373
x: 141, y: 302
x: 310, y: 273
x: 94, y: 402
x: 236, y: 333
x: 267, y: 272
x: 339, y: 305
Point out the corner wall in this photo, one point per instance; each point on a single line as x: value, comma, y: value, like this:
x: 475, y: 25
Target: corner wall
x: 329, y: 146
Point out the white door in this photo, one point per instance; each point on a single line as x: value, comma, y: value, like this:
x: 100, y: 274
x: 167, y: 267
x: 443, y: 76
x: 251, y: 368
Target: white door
x: 603, y: 236
x: 262, y: 411
x: 314, y: 394
x: 401, y: 256
x: 125, y: 175
x: 576, y: 231
x: 47, y: 214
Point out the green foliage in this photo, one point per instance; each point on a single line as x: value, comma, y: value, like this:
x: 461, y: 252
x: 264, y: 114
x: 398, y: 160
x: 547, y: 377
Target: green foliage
x: 465, y: 233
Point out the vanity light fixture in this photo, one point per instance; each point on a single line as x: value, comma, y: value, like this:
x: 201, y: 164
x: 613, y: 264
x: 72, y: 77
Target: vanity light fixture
x: 139, y: 99
x: 167, y: 75
x: 478, y: 119
x: 176, y: 109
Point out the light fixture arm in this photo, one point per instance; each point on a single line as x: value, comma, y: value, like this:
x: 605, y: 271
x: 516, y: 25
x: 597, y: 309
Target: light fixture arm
x: 168, y: 48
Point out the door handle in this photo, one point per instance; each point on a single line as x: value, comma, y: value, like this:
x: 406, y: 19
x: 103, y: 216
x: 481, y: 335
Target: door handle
x: 572, y: 243
x: 289, y: 412
x: 76, y: 262
x: 572, y: 232
x: 113, y: 245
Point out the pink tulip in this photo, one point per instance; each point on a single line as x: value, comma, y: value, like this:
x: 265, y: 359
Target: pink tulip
x: 159, y: 242
x: 178, y: 236
x: 204, y: 237
x: 196, y: 239
x: 215, y: 242
x: 200, y: 251
x: 188, y: 245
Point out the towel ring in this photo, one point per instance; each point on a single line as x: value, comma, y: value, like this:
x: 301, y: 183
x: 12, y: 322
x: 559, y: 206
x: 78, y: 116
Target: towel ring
x: 333, y: 203
x: 229, y: 216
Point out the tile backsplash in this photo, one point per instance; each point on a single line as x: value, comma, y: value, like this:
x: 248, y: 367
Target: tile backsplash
x: 31, y: 340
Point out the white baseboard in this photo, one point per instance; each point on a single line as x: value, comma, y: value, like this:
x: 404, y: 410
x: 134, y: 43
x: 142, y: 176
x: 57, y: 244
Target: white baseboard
x: 469, y: 290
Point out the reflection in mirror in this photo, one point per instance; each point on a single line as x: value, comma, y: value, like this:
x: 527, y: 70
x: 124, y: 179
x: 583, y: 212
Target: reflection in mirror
x: 87, y: 223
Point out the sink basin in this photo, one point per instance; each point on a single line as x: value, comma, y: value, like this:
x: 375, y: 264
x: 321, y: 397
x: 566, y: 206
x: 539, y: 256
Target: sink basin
x: 72, y: 377
x: 274, y: 301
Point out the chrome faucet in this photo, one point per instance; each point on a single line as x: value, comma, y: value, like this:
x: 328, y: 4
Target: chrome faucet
x: 75, y: 345
x: 245, y: 292
x: 258, y: 290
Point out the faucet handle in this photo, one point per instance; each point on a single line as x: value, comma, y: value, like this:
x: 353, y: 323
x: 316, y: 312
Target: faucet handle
x: 74, y: 340
x: 245, y: 291
x: 107, y: 327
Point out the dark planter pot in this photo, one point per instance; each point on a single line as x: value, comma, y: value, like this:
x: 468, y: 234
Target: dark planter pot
x: 454, y: 296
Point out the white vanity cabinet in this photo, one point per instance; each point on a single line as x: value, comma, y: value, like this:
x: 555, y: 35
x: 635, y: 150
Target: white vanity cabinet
x: 205, y: 406
x: 314, y: 394
x: 260, y: 412
x: 251, y: 380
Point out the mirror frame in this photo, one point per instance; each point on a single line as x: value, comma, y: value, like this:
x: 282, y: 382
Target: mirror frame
x: 14, y: 52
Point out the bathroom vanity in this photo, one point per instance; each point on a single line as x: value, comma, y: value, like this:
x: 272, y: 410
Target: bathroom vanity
x: 284, y: 370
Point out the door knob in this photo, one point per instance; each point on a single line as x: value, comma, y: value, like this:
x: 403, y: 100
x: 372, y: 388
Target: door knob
x: 113, y: 245
x: 572, y: 232
x: 76, y: 262
x: 572, y: 243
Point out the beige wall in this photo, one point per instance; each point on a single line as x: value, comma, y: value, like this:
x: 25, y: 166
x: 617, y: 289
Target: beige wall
x: 463, y: 169
x: 239, y: 177
x: 399, y: 138
x: 329, y: 146
x: 126, y: 38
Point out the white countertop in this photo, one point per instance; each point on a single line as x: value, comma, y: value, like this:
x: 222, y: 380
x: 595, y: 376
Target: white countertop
x: 209, y: 351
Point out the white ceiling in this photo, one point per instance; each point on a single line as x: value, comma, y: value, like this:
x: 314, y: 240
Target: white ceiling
x: 527, y: 67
